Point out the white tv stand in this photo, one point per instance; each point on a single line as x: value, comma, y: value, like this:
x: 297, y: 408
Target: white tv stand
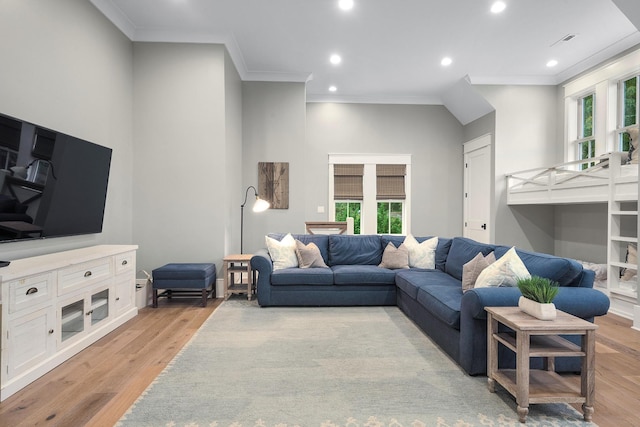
x: 53, y: 306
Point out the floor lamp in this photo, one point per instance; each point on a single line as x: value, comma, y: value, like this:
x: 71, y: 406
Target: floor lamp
x: 259, y: 206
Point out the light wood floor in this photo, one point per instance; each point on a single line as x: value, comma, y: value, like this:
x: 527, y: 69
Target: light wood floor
x: 98, y: 385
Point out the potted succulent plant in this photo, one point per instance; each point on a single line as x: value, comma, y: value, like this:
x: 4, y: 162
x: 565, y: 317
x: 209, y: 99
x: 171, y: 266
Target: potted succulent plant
x: 537, y: 297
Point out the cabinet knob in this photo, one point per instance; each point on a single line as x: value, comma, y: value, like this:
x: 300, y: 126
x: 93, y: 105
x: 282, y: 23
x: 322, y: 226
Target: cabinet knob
x: 89, y: 312
x: 124, y: 262
x: 31, y: 291
x: 118, y: 299
x: 50, y: 331
x: 87, y: 273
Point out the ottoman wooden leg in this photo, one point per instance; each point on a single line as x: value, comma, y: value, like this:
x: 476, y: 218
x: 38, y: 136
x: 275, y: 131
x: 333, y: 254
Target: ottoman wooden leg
x: 204, y: 297
x: 155, y: 298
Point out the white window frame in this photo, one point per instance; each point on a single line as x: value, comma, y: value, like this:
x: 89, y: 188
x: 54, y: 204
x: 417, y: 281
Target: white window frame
x: 368, y: 215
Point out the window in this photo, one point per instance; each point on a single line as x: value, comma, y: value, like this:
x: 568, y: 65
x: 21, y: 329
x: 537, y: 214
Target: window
x: 628, y: 110
x: 374, y: 192
x: 390, y: 195
x: 586, y: 143
x: 349, y: 209
x: 347, y: 182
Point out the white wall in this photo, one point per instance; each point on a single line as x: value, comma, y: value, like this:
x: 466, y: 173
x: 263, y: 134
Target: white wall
x: 429, y: 133
x: 66, y: 67
x: 180, y: 149
x: 525, y: 137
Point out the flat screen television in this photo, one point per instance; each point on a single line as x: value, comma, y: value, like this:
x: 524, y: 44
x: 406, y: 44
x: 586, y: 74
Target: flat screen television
x: 51, y: 184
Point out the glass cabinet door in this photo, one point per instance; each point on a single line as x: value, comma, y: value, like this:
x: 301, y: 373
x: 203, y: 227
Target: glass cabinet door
x: 72, y: 319
x: 99, y: 306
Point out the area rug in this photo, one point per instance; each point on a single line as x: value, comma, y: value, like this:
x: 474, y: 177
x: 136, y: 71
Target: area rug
x: 327, y: 367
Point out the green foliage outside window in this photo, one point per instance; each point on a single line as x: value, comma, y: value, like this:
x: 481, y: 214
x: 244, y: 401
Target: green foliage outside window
x: 587, y: 116
x: 630, y: 94
x: 587, y: 151
x: 345, y: 210
x: 389, y: 218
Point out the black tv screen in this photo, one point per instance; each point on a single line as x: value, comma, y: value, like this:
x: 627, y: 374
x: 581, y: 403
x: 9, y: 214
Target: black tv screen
x: 52, y: 184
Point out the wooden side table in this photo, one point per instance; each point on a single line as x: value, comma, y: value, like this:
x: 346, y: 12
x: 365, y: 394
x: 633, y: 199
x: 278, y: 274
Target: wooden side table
x: 238, y: 264
x: 540, y: 338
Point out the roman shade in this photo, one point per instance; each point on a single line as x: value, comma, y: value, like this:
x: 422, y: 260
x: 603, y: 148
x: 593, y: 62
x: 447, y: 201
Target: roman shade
x: 347, y: 181
x: 390, y: 182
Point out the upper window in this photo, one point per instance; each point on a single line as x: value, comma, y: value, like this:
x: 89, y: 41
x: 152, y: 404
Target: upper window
x: 586, y: 142
x: 628, y: 117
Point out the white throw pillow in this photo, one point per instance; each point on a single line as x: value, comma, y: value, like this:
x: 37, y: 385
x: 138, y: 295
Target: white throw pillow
x: 283, y: 252
x: 504, y: 272
x: 421, y: 255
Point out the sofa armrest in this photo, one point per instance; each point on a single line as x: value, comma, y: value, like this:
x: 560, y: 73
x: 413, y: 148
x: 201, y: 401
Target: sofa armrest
x: 582, y: 302
x: 262, y: 263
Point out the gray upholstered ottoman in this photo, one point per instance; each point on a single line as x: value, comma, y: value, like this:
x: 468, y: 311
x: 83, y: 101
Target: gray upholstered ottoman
x: 184, y: 279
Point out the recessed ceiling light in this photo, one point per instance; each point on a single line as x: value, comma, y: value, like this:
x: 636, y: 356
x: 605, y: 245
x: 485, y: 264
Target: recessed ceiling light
x: 335, y: 59
x: 345, y: 4
x: 446, y: 61
x: 332, y: 88
x: 552, y: 63
x: 498, y: 7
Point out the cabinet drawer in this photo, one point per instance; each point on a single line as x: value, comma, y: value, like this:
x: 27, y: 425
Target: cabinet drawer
x: 125, y: 262
x: 30, y: 291
x: 78, y: 276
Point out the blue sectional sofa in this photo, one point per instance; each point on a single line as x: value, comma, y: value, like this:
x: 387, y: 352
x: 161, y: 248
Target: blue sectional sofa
x: 432, y: 298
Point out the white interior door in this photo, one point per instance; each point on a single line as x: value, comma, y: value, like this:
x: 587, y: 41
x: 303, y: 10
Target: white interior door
x: 477, y: 189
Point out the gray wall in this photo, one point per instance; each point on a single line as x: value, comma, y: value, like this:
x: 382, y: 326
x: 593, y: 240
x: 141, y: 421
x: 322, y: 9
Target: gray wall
x: 233, y: 157
x: 66, y: 67
x: 525, y: 137
x: 180, y: 147
x: 273, y: 130
x: 429, y: 133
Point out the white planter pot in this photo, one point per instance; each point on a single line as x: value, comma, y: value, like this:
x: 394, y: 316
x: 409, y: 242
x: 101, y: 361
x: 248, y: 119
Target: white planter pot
x: 536, y: 309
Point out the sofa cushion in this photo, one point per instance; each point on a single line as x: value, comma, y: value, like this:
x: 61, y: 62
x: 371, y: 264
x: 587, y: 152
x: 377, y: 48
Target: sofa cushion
x: 309, y: 256
x: 302, y: 276
x: 410, y: 281
x: 462, y: 251
x: 562, y: 270
x: 355, y: 250
x: 395, y: 258
x: 504, y: 272
x: 362, y: 275
x: 442, y: 301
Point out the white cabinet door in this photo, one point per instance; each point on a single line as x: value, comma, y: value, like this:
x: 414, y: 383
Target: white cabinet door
x: 30, y: 340
x: 125, y: 293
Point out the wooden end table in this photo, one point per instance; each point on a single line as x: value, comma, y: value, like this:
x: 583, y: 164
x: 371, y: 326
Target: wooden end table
x: 238, y: 264
x: 540, y: 338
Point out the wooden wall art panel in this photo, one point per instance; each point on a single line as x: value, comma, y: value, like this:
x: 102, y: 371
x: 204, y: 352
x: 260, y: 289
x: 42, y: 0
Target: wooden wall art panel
x: 273, y: 183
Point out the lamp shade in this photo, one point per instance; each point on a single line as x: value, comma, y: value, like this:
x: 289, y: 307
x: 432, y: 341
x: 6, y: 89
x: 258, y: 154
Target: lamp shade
x: 260, y: 205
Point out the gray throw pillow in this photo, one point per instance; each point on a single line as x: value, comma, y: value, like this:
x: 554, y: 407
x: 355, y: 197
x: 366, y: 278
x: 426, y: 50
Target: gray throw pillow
x: 309, y: 256
x: 394, y: 258
x: 472, y: 269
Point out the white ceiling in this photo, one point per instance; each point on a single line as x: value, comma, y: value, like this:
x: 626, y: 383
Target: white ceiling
x: 391, y: 49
